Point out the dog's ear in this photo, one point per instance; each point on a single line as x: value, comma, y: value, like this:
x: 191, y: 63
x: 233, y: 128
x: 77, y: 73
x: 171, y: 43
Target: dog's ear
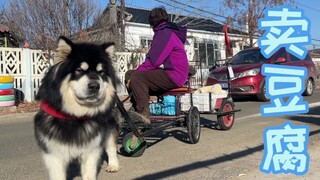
x: 109, y: 49
x: 64, y: 49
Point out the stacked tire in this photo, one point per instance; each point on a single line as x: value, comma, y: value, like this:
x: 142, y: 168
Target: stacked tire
x: 7, y: 97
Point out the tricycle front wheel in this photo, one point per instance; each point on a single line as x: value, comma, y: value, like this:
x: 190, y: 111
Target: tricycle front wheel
x: 133, y: 149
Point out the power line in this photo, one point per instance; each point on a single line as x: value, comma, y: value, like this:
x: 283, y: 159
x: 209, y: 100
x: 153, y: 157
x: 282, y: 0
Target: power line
x: 198, y: 9
x: 308, y: 7
x: 188, y: 11
x: 205, y: 11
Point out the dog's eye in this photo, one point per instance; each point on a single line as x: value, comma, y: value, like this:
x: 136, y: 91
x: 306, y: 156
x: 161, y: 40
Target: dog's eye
x: 80, y: 71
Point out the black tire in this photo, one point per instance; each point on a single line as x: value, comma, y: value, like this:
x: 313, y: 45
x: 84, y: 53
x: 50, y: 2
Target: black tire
x: 193, y: 125
x: 309, y: 88
x: 139, y: 148
x: 226, y: 122
x: 262, y: 96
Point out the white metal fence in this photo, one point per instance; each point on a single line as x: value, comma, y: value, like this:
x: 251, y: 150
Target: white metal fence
x: 28, y: 67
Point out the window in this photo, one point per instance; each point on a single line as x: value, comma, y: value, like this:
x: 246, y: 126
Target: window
x: 202, y: 54
x: 196, y: 52
x: 233, y: 44
x: 207, y: 53
x: 145, y: 42
x: 280, y: 53
x: 210, y: 53
x: 248, y: 57
x: 294, y: 58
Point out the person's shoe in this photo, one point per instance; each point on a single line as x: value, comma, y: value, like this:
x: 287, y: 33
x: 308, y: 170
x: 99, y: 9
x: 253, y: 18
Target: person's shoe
x: 145, y: 113
x: 142, y: 116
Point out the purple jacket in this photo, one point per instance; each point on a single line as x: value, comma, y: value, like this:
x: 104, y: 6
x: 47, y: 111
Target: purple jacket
x: 167, y: 48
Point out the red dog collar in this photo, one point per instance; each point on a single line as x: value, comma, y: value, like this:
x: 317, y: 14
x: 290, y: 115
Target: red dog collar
x: 53, y: 112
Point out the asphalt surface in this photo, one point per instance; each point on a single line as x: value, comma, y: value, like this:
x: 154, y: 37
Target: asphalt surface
x: 233, y: 154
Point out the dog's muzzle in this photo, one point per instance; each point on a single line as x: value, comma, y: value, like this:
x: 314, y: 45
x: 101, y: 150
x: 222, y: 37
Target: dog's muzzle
x: 93, y: 87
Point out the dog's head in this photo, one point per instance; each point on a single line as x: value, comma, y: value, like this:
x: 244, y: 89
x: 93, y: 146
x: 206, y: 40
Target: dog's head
x: 82, y: 82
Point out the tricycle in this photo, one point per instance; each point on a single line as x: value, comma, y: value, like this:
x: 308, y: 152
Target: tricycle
x: 182, y: 111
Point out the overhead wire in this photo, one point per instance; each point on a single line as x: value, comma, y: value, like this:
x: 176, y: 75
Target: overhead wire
x: 214, y: 14
x: 199, y: 14
x: 307, y: 6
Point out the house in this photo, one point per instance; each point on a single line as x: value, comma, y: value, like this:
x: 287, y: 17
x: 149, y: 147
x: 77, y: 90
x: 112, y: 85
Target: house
x: 205, y: 43
x: 205, y: 38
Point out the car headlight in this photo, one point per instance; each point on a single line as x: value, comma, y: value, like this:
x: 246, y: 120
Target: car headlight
x: 251, y: 72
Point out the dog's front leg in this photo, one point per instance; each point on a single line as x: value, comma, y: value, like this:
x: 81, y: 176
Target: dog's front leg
x: 57, y: 167
x: 89, y: 164
x: 111, y: 149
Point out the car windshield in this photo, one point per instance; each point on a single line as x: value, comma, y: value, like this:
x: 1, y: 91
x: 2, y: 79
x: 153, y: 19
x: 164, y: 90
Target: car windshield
x: 248, y: 57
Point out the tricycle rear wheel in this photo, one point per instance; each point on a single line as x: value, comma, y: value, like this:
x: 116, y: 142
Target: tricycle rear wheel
x: 225, y: 122
x: 193, y: 125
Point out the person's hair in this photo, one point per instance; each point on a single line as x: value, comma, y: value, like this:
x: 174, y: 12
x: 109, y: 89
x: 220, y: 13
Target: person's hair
x: 157, y: 16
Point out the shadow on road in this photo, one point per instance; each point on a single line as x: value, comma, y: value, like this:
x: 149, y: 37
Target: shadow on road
x: 181, y: 135
x: 245, y: 99
x: 232, y: 156
x: 201, y: 164
x: 312, y: 117
x: 178, y: 132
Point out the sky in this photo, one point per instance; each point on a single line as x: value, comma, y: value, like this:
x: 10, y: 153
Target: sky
x: 311, y: 9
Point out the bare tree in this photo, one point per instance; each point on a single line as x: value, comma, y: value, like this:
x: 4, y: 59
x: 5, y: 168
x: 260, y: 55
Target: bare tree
x: 106, y: 26
x: 1, y: 15
x: 42, y: 22
x: 246, y: 13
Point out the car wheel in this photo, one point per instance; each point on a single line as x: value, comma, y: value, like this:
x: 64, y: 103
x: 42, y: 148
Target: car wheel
x: 262, y: 96
x: 309, y: 88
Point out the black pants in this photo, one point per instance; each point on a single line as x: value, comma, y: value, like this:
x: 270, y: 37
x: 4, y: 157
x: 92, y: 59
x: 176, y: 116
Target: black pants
x: 146, y: 83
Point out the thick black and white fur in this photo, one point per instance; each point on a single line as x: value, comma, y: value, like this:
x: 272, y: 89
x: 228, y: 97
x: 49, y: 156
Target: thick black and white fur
x: 81, y: 84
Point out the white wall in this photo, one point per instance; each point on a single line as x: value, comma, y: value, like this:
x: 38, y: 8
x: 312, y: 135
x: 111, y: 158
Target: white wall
x: 316, y: 59
x: 134, y: 31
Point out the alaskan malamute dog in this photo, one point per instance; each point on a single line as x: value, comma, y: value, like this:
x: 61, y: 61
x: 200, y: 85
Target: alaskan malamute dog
x: 76, y: 120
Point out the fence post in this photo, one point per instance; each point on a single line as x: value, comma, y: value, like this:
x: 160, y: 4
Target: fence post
x: 28, y: 81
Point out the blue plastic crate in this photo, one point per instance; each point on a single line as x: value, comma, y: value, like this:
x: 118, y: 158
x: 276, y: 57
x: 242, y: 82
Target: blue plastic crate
x: 155, y: 108
x: 165, y: 107
x: 169, y: 103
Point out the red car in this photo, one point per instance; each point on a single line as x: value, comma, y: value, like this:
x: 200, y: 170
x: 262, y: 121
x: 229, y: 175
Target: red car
x: 247, y: 66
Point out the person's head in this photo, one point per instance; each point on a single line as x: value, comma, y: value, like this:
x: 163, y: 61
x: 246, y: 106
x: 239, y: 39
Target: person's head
x: 157, y: 16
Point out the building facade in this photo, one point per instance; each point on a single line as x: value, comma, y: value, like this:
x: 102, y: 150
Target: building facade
x: 205, y: 38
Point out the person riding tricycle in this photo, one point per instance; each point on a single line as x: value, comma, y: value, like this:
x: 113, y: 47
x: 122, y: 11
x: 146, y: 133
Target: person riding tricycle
x: 165, y: 66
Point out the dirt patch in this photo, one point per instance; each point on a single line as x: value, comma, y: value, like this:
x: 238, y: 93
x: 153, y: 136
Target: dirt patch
x: 22, y: 107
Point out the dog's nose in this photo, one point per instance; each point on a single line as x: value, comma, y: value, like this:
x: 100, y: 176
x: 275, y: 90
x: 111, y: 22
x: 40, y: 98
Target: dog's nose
x: 93, y: 87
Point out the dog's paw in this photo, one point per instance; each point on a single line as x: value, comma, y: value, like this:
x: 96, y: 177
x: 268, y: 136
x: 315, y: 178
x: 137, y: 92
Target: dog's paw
x: 112, y: 168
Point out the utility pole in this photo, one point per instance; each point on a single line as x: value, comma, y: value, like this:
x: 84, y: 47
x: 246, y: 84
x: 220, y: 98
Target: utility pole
x: 113, y: 11
x: 114, y: 20
x: 250, y: 22
x: 122, y: 25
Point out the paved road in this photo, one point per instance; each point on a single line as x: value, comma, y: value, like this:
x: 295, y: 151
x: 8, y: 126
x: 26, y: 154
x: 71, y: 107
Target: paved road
x: 218, y: 155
